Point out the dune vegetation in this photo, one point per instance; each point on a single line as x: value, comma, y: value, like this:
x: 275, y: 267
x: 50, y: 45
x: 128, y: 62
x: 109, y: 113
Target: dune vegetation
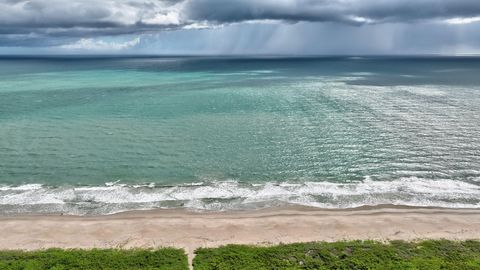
x: 429, y: 255
x: 95, y: 259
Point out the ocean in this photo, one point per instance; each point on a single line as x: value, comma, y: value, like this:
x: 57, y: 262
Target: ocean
x: 98, y: 135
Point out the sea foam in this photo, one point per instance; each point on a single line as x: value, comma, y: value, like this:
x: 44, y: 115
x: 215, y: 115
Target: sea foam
x: 233, y: 195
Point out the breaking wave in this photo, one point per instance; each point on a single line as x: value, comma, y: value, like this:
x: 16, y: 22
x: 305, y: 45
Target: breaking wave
x: 234, y: 195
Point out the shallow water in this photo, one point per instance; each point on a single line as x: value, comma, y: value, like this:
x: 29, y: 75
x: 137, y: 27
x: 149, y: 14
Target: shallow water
x: 102, y: 135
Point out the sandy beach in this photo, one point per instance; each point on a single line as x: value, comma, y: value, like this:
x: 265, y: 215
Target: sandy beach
x: 190, y: 230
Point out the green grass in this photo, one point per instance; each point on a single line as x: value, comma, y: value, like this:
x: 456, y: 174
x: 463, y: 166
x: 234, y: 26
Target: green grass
x: 95, y: 259
x: 428, y: 255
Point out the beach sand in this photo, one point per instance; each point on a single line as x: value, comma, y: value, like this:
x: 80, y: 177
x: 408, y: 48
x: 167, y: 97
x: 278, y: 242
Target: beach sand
x: 190, y: 230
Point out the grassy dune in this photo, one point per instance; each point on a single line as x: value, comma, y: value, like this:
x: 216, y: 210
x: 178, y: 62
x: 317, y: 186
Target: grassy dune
x: 428, y: 255
x: 95, y: 259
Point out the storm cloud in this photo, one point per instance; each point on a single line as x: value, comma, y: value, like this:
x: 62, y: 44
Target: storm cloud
x: 350, y: 12
x: 65, y: 22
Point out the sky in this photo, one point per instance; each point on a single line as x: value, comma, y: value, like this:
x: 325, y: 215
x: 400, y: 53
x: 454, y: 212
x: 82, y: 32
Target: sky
x: 240, y: 27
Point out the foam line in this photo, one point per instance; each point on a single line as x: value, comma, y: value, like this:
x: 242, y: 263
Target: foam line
x: 227, y: 195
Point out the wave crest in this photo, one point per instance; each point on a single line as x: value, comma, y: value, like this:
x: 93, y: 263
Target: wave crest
x: 232, y: 195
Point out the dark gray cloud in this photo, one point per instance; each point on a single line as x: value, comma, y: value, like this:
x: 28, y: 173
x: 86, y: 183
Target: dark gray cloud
x: 344, y: 11
x: 57, y: 22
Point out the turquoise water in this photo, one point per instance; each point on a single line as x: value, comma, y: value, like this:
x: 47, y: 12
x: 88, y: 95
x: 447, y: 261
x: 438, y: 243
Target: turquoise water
x: 102, y: 135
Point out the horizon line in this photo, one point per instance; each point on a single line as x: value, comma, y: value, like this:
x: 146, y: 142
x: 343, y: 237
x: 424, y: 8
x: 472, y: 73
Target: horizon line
x: 99, y: 55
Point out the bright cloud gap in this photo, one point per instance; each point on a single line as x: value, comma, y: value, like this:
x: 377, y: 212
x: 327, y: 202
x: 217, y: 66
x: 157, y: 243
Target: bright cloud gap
x: 100, y: 45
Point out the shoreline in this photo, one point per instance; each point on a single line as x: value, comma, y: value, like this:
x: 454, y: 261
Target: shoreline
x: 275, y: 210
x: 115, y: 197
x: 190, y: 230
